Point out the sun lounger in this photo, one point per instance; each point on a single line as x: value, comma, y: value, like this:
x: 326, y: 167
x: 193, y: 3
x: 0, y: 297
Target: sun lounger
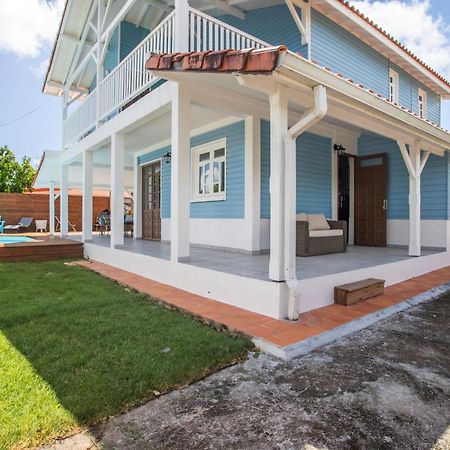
x: 24, y: 222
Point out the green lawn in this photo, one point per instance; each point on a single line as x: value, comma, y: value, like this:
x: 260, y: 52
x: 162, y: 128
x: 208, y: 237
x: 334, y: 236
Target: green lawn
x: 76, y: 347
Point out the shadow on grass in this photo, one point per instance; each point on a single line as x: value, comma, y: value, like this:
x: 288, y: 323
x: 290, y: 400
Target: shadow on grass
x: 97, y: 346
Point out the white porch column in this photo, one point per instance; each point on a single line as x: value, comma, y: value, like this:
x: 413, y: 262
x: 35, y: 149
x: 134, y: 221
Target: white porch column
x: 253, y: 183
x: 99, y: 62
x: 51, y: 209
x: 64, y: 201
x: 117, y: 189
x: 87, y: 196
x: 181, y: 43
x: 180, y: 175
x: 137, y: 200
x: 278, y: 130
x: 414, y: 204
x: 415, y: 163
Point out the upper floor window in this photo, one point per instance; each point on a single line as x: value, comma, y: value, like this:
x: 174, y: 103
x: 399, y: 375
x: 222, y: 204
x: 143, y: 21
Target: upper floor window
x: 422, y: 103
x: 209, y: 171
x: 393, y: 86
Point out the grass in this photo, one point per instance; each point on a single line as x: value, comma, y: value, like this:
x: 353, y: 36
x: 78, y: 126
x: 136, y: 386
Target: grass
x: 76, y: 347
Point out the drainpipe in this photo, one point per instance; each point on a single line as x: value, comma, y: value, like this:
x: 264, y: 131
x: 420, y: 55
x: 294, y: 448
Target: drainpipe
x: 309, y: 119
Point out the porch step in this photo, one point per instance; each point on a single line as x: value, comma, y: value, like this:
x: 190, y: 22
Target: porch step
x: 350, y: 293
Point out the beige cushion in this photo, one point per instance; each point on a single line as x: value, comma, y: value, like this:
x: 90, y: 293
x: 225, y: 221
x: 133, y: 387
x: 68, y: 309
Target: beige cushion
x: 318, y: 222
x: 325, y: 233
x: 302, y: 216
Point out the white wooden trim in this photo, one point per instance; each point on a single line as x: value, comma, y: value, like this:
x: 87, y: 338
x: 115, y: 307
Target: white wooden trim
x: 87, y: 196
x: 395, y: 86
x: 180, y: 175
x: 252, y: 182
x: 278, y: 130
x: 117, y: 189
x: 208, y: 147
x: 64, y: 201
x: 137, y: 199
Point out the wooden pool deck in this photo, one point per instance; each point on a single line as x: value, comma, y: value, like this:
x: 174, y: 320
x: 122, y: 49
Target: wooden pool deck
x: 44, y: 248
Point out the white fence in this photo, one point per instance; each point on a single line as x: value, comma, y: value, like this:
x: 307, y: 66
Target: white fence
x: 82, y: 120
x: 129, y: 78
x: 208, y: 33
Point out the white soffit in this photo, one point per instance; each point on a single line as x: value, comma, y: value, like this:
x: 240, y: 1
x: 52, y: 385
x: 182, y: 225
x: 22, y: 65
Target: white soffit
x: 349, y: 20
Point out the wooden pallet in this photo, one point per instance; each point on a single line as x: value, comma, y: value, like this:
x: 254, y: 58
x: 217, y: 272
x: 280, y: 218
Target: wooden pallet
x: 348, y: 294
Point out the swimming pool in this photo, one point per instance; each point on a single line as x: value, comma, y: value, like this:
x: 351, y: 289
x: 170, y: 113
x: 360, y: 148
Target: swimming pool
x: 15, y: 239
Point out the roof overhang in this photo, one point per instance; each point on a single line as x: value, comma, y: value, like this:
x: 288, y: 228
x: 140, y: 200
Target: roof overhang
x: 349, y: 18
x: 348, y: 103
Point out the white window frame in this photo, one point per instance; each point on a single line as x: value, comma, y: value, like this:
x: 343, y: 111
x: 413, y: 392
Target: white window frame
x: 423, y: 94
x: 393, y: 86
x: 195, y: 165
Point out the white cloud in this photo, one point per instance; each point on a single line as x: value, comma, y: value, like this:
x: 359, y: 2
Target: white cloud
x: 28, y: 26
x: 412, y: 23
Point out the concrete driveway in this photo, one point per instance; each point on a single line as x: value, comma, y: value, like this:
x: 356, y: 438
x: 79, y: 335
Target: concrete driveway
x: 386, y: 387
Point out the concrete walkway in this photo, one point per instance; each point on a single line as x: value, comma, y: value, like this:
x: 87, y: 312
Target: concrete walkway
x: 386, y: 387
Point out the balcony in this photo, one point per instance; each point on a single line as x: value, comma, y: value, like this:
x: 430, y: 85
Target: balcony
x: 129, y: 80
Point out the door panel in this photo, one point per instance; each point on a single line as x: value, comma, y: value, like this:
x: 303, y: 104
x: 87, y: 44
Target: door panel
x: 151, y: 201
x: 371, y: 200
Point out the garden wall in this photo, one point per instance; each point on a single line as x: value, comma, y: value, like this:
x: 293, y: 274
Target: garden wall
x: 15, y: 206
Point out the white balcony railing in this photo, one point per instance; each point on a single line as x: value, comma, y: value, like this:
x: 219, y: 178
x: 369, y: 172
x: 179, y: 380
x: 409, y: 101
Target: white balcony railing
x: 208, y: 33
x: 82, y: 120
x: 129, y: 79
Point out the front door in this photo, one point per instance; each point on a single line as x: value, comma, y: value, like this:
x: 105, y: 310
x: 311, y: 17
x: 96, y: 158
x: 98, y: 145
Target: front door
x: 371, y: 200
x: 151, y: 201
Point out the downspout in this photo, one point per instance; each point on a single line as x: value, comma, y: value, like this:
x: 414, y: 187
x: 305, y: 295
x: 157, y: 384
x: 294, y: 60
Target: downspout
x: 309, y: 119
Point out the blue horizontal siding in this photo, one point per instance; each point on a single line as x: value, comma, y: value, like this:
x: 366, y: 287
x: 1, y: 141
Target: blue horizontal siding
x: 334, y: 47
x: 313, y: 173
x: 130, y: 37
x: 434, y: 187
x: 273, y: 24
x: 112, y: 54
x: 233, y: 206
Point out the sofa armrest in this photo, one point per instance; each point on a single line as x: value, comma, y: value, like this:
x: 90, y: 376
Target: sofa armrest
x: 337, y: 224
x: 340, y: 225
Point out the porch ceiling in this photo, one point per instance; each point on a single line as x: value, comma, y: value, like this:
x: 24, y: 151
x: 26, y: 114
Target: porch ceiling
x: 349, y: 105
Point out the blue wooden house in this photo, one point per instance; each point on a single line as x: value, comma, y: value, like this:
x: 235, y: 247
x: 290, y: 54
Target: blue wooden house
x: 273, y: 149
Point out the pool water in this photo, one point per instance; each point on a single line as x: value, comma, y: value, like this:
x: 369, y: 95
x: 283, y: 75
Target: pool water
x: 15, y: 239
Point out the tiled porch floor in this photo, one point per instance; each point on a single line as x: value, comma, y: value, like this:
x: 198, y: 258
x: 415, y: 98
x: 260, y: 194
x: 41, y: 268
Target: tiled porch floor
x: 279, y: 332
x: 257, y: 266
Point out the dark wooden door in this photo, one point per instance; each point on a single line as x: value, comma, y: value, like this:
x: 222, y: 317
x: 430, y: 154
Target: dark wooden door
x: 151, y: 201
x: 371, y: 200
x: 344, y: 189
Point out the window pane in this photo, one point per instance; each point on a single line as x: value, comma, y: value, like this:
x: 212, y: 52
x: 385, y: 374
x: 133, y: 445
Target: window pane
x: 219, y: 153
x: 216, y: 172
x: 222, y: 178
x: 204, y: 157
x: 200, y: 180
x: 207, y: 179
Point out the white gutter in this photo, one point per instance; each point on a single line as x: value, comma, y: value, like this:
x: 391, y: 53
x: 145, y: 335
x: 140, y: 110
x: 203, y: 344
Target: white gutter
x: 309, y: 119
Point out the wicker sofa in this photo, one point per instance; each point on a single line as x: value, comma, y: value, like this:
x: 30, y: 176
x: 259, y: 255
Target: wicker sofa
x: 321, y: 242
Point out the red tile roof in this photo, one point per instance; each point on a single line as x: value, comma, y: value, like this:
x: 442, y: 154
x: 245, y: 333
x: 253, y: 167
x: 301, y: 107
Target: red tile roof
x: 247, y: 60
x: 392, y: 39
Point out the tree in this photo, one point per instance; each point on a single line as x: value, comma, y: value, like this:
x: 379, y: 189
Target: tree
x: 15, y: 176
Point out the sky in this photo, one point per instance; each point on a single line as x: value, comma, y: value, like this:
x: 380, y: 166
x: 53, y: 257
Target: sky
x: 28, y: 29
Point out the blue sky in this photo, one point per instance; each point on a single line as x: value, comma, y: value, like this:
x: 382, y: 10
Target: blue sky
x: 23, y: 63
